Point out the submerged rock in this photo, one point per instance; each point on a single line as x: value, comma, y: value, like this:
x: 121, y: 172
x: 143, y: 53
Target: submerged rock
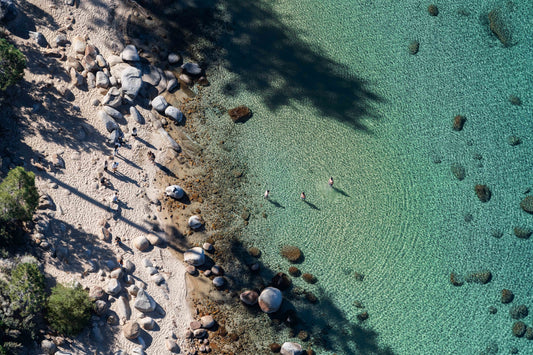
x: 507, y: 296
x: 499, y: 26
x: 458, y: 122
x: 458, y: 171
x: 483, y: 193
x: 527, y: 204
x: 433, y: 10
x: 522, y: 233
x: 519, y: 312
x: 413, y: 47
x: 240, y: 113
x: 482, y: 277
x: 291, y: 253
x: 519, y: 329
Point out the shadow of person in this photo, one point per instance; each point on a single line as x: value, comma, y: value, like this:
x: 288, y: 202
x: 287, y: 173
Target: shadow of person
x: 276, y: 203
x: 340, y: 191
x: 312, y: 205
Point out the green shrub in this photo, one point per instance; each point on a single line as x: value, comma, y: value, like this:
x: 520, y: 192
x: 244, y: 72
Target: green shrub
x: 12, y: 64
x: 18, y: 199
x: 26, y: 289
x: 69, y: 309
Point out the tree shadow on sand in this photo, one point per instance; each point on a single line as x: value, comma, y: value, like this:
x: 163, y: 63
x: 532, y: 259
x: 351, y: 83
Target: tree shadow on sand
x: 267, y: 57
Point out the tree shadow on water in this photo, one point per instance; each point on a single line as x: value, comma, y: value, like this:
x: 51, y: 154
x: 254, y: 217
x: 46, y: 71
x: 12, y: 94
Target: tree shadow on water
x: 266, y: 56
x: 327, y: 324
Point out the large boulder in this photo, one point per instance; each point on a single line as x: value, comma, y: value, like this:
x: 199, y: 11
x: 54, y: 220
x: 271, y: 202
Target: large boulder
x: 507, y: 296
x: 519, y: 329
x: 192, y: 69
x: 458, y: 171
x: 144, y: 302
x: 195, y: 222
x: 270, y: 300
x: 131, y: 81
x: 130, y: 54
x: 114, y: 113
x: 174, y: 113
x: 102, y: 81
x: 136, y: 115
x: 194, y: 256
x: 159, y: 103
x: 249, y: 297
x: 290, y: 348
x: 141, y: 243
x: 131, y: 330
x: 291, y: 253
x: 482, y: 277
x: 100, y: 307
x: 113, y: 287
x: 519, y: 312
x: 123, y: 308
x: 174, y: 191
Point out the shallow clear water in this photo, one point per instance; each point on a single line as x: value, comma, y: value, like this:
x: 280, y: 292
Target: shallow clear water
x: 335, y: 92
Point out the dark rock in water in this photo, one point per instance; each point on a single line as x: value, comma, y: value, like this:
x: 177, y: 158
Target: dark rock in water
x: 281, y: 281
x: 482, y: 277
x: 458, y: 122
x: 527, y: 204
x: 507, y: 296
x: 513, y: 140
x: 275, y: 347
x: 294, y: 271
x: 529, y: 333
x: 515, y: 100
x: 309, y: 278
x: 519, y: 329
x: 358, y: 304
x: 240, y: 113
x: 499, y: 27
x: 362, y: 316
x: 493, y: 310
x: 291, y: 253
x: 522, y: 233
x: 477, y: 156
x: 414, y: 46
x: 458, y: 171
x: 496, y: 233
x: 8, y: 10
x: 359, y: 276
x: 255, y: 252
x: 291, y: 318
x: 468, y: 217
x: 519, y: 312
x: 433, y: 10
x: 483, y: 193
x: 309, y: 296
x: 456, y: 280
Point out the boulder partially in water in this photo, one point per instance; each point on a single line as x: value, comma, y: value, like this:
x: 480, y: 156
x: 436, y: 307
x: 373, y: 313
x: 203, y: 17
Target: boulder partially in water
x: 270, y: 300
x: 194, y: 256
x: 240, y: 113
x: 290, y: 348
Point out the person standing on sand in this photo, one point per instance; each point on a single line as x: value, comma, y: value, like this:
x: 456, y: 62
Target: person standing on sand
x: 105, y: 165
x: 330, y: 182
x: 302, y: 195
x: 115, y: 152
x: 267, y: 193
x: 151, y: 157
x: 114, y: 167
x: 134, y: 132
x: 115, y: 198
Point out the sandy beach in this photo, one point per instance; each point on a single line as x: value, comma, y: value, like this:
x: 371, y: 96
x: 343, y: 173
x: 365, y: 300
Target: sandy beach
x: 81, y: 234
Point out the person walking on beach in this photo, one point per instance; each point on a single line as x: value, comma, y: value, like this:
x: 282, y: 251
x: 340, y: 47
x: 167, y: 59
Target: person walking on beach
x: 115, y: 198
x: 105, y: 165
x: 267, y: 193
x: 151, y: 157
x: 115, y: 152
x: 114, y: 167
x: 134, y: 132
x: 302, y: 195
x: 330, y: 182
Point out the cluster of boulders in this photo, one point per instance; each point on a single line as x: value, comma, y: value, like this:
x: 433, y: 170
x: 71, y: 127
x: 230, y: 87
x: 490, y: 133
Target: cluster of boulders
x: 199, y: 332
x: 481, y: 277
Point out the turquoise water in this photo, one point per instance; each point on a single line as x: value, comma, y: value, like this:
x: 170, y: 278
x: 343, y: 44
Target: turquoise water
x: 335, y: 92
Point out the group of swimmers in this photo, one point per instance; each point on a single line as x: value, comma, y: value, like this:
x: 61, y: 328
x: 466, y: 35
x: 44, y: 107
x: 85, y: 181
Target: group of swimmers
x: 302, y: 195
